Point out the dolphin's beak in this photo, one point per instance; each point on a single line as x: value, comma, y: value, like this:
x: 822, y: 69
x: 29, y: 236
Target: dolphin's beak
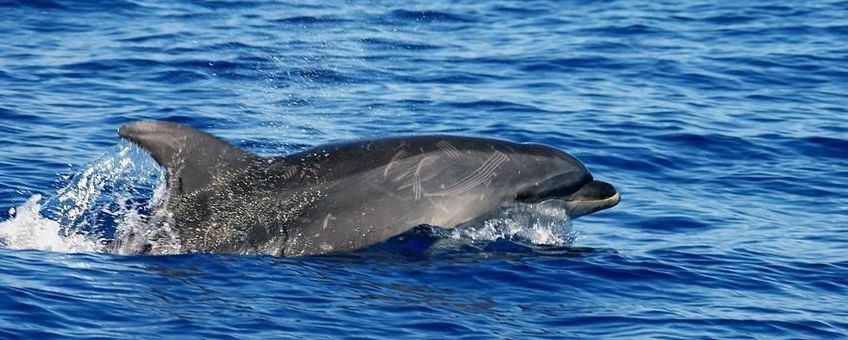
x: 593, y: 196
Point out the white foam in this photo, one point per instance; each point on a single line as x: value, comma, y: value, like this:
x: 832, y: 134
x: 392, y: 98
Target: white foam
x: 541, y: 224
x: 28, y: 229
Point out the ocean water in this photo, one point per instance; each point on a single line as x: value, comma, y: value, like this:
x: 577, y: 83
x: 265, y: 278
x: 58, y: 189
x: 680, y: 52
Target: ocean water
x: 723, y: 124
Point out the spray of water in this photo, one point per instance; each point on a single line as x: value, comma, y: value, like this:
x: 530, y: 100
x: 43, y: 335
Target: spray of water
x: 522, y: 224
x: 546, y: 224
x: 108, y: 198
x: 28, y: 229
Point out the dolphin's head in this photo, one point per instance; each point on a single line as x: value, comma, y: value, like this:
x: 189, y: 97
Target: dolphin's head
x: 565, y: 182
x: 591, y: 197
x: 588, y: 198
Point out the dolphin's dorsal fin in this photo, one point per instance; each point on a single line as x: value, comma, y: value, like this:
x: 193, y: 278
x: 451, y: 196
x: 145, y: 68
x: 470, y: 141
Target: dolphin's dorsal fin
x: 192, y: 158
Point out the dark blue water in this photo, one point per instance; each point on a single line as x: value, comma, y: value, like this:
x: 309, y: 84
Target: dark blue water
x: 723, y: 124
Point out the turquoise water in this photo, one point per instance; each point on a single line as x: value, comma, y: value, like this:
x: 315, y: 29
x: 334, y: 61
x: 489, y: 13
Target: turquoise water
x: 723, y: 125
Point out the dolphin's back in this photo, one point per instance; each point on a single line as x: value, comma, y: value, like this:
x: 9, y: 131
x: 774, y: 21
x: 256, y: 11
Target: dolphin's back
x: 351, y: 157
x: 376, y: 189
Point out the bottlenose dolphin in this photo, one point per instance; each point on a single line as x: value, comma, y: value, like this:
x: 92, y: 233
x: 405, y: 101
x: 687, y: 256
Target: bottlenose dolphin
x: 349, y: 195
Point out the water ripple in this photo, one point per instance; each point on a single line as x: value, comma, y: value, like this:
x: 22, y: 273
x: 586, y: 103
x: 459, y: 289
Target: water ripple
x: 723, y: 125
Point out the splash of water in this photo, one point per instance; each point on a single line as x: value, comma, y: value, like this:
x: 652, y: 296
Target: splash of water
x: 540, y: 224
x: 137, y: 232
x: 28, y: 229
x: 102, y: 202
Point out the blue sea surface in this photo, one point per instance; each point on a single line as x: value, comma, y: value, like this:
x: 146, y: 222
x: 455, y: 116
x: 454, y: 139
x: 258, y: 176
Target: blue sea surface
x: 723, y: 124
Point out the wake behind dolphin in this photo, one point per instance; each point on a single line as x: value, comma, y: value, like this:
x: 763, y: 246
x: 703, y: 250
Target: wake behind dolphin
x: 345, y: 196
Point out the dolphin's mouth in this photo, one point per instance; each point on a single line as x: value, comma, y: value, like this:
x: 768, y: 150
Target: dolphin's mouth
x: 591, y: 197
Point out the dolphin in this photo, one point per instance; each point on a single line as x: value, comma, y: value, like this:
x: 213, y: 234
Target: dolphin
x: 348, y: 195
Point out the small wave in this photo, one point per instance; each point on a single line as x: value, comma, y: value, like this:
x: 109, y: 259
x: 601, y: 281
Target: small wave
x: 392, y: 44
x: 123, y: 64
x: 624, y: 30
x: 730, y: 19
x: 307, y: 19
x: 448, y: 79
x: 822, y: 146
x: 428, y: 16
x: 499, y: 106
x: 572, y: 64
x: 318, y: 75
x: 671, y: 224
x: 150, y: 37
x: 720, y: 145
x: 39, y: 4
x: 178, y: 77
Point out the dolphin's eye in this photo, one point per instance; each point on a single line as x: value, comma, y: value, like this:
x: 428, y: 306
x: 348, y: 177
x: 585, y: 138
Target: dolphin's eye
x: 524, y: 196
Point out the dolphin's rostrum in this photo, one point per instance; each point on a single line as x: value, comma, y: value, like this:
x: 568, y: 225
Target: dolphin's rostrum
x: 344, y: 196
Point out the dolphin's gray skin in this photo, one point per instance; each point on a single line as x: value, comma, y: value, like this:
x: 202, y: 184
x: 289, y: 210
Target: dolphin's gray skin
x: 345, y: 196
